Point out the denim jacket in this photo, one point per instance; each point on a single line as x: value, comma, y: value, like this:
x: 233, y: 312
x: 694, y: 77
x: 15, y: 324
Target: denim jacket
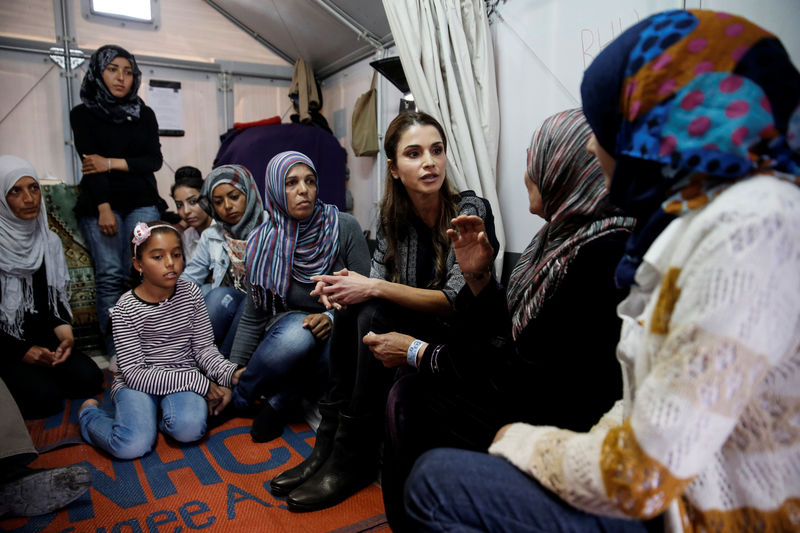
x: 209, y: 257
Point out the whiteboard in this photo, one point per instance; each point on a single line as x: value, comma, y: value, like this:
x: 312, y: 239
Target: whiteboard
x: 541, y: 49
x: 564, y: 36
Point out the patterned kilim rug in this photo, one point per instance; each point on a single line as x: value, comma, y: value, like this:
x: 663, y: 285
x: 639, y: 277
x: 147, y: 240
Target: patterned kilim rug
x: 60, y: 201
x: 220, y: 484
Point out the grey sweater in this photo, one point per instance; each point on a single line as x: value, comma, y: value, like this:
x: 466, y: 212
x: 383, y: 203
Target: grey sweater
x: 469, y: 204
x: 353, y: 255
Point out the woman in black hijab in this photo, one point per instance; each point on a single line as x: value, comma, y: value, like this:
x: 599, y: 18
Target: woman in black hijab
x: 116, y: 135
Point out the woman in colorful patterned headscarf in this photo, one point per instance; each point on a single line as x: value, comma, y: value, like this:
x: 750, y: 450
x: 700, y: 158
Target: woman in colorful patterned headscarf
x: 687, y: 107
x: 236, y: 206
x: 287, y: 246
x: 116, y: 139
x: 283, y: 335
x: 696, y: 117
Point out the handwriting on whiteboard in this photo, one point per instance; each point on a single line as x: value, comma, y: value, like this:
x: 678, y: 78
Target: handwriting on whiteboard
x: 593, y: 40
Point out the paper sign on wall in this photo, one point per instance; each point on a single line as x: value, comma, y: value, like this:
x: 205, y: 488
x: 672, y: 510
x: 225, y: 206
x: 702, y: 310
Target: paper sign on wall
x: 164, y: 98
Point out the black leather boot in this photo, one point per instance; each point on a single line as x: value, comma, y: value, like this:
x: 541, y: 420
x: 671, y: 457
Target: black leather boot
x: 352, y: 465
x: 287, y: 481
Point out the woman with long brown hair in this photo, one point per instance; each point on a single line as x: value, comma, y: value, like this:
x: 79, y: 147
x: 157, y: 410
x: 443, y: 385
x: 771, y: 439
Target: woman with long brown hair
x: 413, y: 282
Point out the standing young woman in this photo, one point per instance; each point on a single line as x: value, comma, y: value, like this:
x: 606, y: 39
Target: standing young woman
x: 39, y: 362
x: 217, y: 263
x: 696, y: 122
x: 116, y: 135
x: 413, y: 281
x: 283, y: 336
x: 192, y: 208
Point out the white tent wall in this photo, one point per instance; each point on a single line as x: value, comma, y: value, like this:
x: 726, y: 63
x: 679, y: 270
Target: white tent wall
x: 190, y: 30
x: 340, y: 92
x: 256, y: 99
x: 541, y: 50
x: 194, y: 46
x: 201, y: 124
x: 32, y: 129
x: 31, y: 19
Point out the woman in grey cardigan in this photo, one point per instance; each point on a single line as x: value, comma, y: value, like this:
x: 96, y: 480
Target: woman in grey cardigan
x: 283, y: 335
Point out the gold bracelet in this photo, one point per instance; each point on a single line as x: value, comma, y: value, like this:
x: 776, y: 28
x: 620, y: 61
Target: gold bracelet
x: 109, y: 163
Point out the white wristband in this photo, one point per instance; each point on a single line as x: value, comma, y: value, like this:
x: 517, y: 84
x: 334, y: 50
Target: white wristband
x: 413, y: 350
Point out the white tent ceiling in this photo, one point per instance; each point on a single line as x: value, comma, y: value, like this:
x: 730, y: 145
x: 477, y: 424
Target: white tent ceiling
x: 328, y: 34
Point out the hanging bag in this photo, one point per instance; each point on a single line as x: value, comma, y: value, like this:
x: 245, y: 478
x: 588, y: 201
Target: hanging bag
x: 365, y: 122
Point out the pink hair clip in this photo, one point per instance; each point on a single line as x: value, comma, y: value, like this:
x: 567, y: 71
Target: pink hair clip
x: 141, y: 232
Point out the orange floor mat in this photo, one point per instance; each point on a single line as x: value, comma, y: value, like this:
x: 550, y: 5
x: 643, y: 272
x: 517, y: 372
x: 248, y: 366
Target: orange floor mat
x: 218, y: 485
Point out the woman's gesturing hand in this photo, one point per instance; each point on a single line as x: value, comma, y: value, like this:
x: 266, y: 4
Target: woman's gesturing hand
x: 473, y: 251
x: 343, y: 288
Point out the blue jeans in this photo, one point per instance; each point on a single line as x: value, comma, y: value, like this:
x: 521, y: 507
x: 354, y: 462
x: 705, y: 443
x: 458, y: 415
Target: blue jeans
x: 111, y: 256
x: 131, y: 432
x: 225, y: 307
x: 456, y: 490
x: 288, y: 363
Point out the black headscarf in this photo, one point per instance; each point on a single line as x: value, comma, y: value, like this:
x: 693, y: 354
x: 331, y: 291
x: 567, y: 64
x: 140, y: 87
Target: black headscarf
x: 96, y: 96
x: 688, y: 103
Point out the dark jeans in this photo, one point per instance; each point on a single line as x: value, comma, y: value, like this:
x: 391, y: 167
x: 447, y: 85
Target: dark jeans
x: 40, y: 390
x: 111, y: 256
x: 461, y: 491
x: 357, y: 379
x: 425, y: 412
x: 225, y: 307
x: 288, y: 364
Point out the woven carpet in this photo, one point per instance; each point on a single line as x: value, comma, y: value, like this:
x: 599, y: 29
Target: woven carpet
x: 218, y: 485
x: 60, y: 201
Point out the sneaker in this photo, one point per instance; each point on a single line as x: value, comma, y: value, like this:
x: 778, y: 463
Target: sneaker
x: 43, y: 491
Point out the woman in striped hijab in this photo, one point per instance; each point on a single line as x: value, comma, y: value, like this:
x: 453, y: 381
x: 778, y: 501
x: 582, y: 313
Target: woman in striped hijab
x: 284, y: 331
x: 567, y: 190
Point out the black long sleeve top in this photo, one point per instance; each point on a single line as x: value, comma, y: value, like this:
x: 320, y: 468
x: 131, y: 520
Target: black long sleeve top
x: 562, y: 369
x: 135, y: 141
x: 37, y: 327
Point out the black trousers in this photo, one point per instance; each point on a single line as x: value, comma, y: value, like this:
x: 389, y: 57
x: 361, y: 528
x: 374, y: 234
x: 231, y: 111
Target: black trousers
x: 357, y: 378
x: 40, y: 390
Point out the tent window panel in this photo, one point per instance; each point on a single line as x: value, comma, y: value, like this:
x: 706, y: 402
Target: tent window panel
x: 131, y: 13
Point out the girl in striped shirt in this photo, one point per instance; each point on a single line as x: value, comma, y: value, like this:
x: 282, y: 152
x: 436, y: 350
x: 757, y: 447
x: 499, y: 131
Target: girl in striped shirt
x: 165, y: 352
